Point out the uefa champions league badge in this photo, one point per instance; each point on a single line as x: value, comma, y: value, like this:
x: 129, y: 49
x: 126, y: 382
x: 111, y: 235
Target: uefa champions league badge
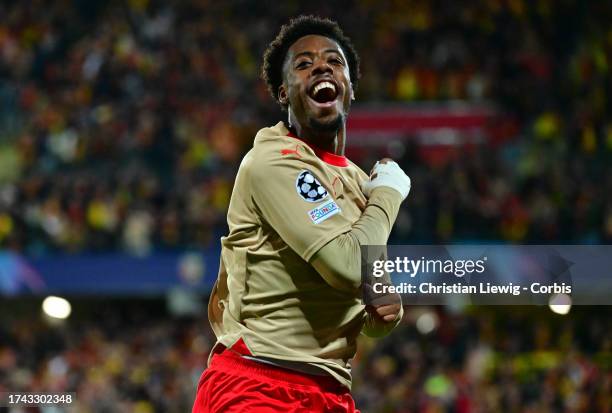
x: 309, y: 188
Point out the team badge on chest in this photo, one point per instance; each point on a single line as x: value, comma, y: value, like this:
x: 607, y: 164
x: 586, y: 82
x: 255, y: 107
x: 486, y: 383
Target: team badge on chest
x: 309, y: 187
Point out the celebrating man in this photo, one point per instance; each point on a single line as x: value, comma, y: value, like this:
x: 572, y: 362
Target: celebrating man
x: 286, y: 306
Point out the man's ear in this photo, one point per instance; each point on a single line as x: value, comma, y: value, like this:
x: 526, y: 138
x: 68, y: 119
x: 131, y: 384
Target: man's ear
x: 282, y: 95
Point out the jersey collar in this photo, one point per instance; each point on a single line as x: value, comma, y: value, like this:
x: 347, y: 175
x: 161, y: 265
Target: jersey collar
x: 327, y: 157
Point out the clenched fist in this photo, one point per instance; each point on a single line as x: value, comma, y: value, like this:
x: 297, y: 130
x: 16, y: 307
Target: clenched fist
x: 387, y: 172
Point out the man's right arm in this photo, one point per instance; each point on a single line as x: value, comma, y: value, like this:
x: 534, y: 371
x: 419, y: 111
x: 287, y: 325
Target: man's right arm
x: 338, y: 262
x: 332, y: 246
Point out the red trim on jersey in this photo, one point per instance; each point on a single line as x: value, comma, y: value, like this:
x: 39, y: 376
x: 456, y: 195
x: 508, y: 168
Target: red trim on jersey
x: 327, y: 157
x: 241, y: 348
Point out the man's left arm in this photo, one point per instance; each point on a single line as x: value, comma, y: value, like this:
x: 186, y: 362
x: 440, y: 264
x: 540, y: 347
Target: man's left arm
x: 381, y: 319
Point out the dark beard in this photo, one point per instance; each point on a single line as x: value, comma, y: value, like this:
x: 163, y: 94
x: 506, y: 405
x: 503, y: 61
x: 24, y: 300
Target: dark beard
x: 332, y: 126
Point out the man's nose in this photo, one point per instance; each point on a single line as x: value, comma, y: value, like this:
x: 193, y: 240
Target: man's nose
x: 322, y: 66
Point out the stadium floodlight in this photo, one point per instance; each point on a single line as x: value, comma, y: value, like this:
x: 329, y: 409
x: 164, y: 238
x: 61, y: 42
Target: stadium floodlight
x: 560, y: 303
x: 427, y: 322
x: 56, y: 307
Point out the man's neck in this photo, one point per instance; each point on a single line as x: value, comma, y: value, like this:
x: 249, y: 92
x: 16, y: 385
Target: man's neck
x: 333, y: 142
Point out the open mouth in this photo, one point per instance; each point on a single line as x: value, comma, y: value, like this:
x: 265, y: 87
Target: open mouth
x: 324, y: 93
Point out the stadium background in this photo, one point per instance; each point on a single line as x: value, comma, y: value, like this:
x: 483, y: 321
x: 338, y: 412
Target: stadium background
x: 122, y: 124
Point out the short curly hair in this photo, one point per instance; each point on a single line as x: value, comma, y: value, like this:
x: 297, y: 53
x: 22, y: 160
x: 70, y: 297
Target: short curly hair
x: 275, y: 54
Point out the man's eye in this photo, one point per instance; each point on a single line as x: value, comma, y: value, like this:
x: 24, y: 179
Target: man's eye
x: 337, y: 61
x: 302, y: 64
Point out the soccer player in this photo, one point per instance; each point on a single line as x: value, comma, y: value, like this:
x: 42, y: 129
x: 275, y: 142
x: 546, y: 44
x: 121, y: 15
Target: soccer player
x: 286, y: 306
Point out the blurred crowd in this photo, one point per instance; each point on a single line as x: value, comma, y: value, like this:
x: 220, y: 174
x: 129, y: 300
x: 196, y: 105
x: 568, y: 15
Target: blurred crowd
x: 122, y: 123
x: 114, y: 362
x: 513, y: 360
x: 132, y: 359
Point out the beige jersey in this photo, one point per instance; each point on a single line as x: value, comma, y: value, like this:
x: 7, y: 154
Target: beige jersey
x: 288, y: 201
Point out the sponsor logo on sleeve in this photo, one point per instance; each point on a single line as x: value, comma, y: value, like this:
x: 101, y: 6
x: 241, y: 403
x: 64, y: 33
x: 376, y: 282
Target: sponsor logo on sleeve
x: 322, y: 212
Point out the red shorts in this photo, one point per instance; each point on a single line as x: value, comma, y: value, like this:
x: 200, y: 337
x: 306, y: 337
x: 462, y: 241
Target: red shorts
x: 234, y: 384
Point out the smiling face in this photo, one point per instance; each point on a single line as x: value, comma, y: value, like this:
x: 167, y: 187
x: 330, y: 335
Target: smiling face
x: 317, y: 85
